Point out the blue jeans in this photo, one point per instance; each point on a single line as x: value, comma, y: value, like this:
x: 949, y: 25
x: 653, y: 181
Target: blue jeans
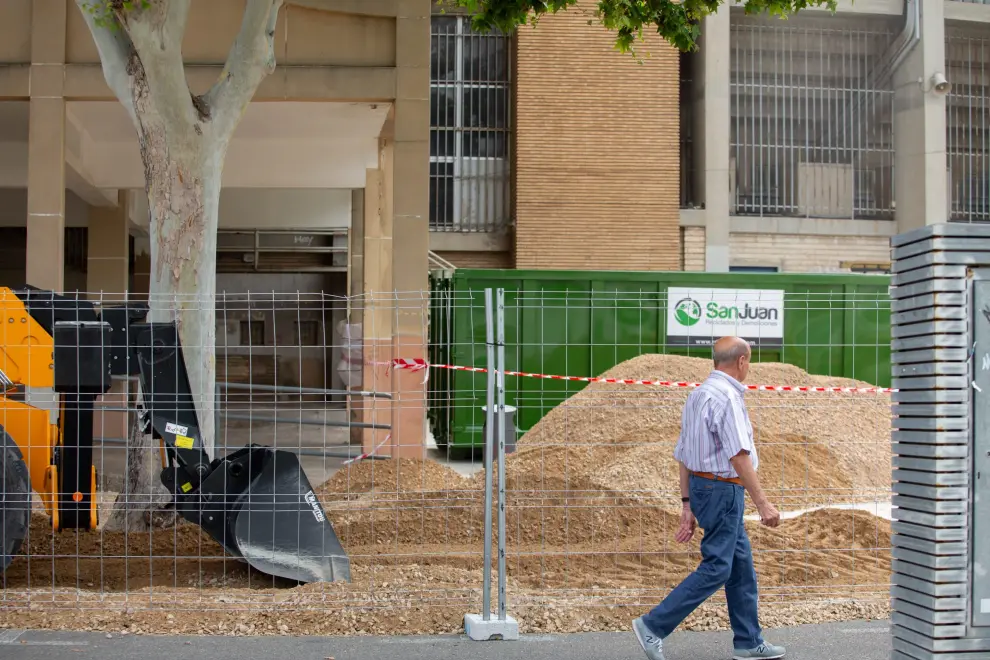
x: 726, y: 560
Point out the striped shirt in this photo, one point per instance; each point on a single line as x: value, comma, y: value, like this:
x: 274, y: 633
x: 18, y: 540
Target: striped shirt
x: 715, y: 427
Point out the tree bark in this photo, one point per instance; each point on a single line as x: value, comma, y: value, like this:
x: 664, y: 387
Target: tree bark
x: 183, y: 141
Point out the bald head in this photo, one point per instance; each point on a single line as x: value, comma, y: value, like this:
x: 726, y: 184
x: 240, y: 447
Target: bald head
x: 731, y: 355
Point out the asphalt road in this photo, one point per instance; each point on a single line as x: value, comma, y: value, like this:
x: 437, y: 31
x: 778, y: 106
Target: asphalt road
x: 867, y: 640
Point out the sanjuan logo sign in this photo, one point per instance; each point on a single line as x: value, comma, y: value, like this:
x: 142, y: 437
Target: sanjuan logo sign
x: 696, y: 317
x: 746, y: 311
x: 687, y: 312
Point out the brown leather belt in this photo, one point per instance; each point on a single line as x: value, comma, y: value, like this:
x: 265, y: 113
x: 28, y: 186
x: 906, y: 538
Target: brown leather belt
x: 708, y: 475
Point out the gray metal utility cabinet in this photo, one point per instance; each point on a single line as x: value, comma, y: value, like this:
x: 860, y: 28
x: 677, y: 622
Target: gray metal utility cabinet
x: 940, y: 357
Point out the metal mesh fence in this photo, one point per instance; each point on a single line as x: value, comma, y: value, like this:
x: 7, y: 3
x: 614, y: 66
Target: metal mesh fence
x: 324, y: 390
x: 592, y: 495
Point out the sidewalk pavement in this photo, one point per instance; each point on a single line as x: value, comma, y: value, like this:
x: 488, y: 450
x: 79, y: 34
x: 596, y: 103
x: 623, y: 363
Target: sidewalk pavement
x: 864, y: 640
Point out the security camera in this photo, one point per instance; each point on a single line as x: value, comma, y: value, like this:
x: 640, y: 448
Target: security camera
x: 940, y: 86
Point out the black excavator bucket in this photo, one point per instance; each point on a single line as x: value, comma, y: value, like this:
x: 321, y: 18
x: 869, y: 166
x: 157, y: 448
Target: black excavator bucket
x: 256, y: 502
x: 281, y: 529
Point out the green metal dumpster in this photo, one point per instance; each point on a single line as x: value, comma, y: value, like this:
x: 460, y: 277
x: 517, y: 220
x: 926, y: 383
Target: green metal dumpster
x: 583, y: 323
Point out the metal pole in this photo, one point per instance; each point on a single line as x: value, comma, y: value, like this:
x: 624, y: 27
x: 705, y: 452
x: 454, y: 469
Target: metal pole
x: 320, y: 453
x: 486, y: 607
x: 305, y: 422
x: 290, y: 389
x: 500, y: 383
x: 216, y: 418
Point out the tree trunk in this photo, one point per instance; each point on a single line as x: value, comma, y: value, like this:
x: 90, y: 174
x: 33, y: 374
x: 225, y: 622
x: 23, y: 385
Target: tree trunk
x: 184, y: 195
x: 141, y: 502
x: 183, y: 140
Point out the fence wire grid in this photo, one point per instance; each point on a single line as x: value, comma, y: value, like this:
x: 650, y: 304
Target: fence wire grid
x: 591, y: 486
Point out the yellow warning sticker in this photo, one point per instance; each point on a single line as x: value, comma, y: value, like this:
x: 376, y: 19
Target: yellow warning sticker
x: 182, y: 442
x: 186, y: 487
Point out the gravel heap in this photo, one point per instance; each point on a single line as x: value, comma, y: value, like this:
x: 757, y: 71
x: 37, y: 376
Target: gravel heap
x: 814, y: 448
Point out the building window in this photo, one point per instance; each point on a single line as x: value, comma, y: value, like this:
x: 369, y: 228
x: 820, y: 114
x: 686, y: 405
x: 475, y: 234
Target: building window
x: 470, y: 127
x: 811, y: 117
x: 688, y: 116
x: 753, y: 269
x: 253, y: 332
x: 967, y: 108
x: 307, y: 333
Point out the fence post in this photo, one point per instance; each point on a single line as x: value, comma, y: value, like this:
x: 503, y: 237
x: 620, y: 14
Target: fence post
x: 481, y: 627
x: 940, y: 322
x: 500, y: 385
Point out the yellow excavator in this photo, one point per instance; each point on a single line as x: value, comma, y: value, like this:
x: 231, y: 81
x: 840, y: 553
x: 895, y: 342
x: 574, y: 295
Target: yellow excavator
x: 58, y: 354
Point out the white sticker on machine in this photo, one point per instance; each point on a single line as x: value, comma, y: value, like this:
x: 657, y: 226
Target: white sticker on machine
x: 176, y: 429
x: 985, y: 606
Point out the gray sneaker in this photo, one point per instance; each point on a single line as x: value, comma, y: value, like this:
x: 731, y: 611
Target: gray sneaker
x: 762, y: 652
x: 652, y: 645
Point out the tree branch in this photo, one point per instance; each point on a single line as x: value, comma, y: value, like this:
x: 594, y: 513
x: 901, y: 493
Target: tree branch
x: 156, y: 29
x: 251, y: 58
x: 115, y: 48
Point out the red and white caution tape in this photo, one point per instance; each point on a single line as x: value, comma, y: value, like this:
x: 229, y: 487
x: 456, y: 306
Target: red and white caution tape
x: 368, y: 453
x: 419, y: 364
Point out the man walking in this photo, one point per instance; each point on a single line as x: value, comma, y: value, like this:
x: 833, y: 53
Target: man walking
x: 717, y: 461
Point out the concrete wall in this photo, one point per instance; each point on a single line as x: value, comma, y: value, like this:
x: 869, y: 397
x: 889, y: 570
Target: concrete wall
x: 596, y: 161
x: 303, y: 36
x: 13, y: 208
x: 468, y: 259
x: 791, y: 253
x: 270, y: 208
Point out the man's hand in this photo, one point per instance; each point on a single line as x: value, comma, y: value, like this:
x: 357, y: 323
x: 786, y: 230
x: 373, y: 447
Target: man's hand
x: 743, y: 466
x: 769, y: 515
x: 686, y: 531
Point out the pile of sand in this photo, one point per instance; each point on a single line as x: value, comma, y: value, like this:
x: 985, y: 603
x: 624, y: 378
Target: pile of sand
x: 391, y: 477
x: 814, y: 448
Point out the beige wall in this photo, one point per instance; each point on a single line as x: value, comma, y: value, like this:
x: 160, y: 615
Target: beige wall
x: 488, y: 259
x: 303, y: 36
x: 596, y: 159
x: 693, y: 248
x: 791, y: 253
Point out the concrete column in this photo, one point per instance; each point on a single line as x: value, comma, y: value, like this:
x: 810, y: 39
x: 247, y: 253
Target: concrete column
x: 713, y: 136
x: 377, y: 307
x: 46, y: 148
x: 107, y: 264
x: 406, y: 159
x: 355, y: 307
x: 920, y: 177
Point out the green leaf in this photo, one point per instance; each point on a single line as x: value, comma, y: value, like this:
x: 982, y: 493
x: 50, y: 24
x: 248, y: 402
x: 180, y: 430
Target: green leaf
x: 678, y: 22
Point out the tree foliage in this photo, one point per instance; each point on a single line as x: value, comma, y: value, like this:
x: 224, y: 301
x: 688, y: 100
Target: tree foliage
x: 676, y: 22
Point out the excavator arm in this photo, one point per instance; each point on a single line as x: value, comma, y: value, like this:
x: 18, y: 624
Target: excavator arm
x: 256, y: 502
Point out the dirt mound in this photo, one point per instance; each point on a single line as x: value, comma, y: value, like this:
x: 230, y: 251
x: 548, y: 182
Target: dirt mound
x: 814, y: 447
x: 560, y: 578
x: 392, y: 476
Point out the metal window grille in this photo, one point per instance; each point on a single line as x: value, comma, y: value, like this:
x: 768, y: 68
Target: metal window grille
x: 811, y: 128
x: 470, y: 134
x: 967, y: 62
x: 688, y: 114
